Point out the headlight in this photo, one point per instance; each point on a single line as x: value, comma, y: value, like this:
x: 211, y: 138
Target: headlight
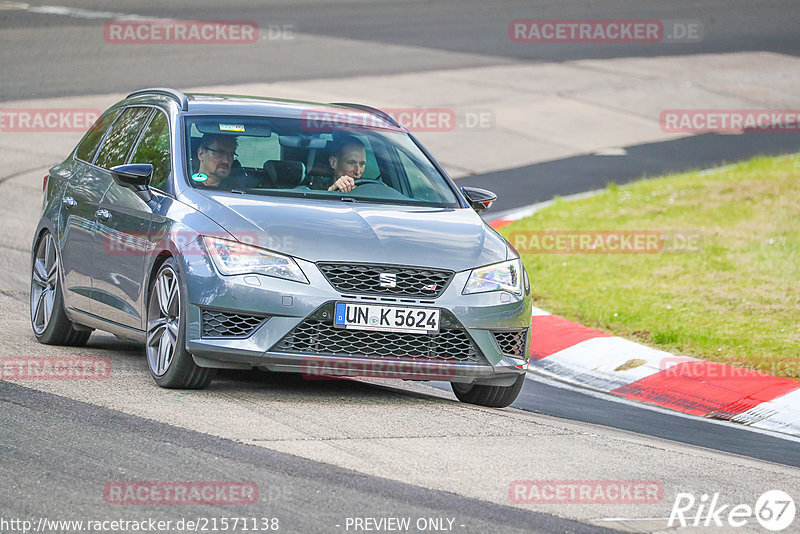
x: 233, y: 257
x: 504, y: 276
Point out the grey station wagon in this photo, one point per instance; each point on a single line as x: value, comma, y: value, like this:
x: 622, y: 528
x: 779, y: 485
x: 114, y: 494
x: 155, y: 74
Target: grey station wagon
x: 238, y: 232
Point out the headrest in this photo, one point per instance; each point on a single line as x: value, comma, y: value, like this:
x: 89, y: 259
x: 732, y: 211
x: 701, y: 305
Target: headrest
x: 285, y: 173
x: 321, y: 165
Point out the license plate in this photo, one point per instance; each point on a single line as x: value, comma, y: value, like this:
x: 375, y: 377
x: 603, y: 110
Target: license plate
x: 386, y: 318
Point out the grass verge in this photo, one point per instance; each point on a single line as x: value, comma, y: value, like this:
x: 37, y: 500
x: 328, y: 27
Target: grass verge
x: 723, y: 284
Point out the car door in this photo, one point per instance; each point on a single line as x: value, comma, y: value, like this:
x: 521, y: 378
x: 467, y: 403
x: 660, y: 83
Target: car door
x: 79, y: 203
x: 115, y: 150
x: 124, y: 241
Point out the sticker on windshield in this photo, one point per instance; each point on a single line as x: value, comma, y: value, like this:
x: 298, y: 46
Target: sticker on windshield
x: 199, y: 177
x: 231, y: 128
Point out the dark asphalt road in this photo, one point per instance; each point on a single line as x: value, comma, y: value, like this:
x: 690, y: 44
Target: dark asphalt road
x: 55, y: 451
x: 543, y: 181
x: 46, y: 55
x: 58, y: 455
x: 541, y: 396
x: 59, y: 55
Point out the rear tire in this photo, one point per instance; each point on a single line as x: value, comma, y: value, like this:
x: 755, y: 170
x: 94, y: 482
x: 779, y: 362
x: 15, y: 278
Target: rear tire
x: 491, y: 396
x: 170, y: 364
x: 48, y: 318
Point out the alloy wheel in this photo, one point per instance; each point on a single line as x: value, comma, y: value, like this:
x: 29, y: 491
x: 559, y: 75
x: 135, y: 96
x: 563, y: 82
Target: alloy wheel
x: 44, y: 280
x: 163, y: 321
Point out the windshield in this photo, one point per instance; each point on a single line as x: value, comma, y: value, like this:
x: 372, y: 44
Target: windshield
x: 284, y: 157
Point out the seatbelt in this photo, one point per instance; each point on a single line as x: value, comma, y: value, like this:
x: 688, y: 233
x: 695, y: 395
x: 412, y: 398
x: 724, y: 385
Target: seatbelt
x: 312, y: 153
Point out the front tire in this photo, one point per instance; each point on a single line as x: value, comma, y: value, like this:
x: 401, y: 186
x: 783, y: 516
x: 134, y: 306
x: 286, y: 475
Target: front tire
x: 170, y: 364
x: 491, y: 396
x: 48, y: 318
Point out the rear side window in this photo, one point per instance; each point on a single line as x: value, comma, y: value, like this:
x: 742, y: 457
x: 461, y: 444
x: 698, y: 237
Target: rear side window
x: 88, y: 145
x: 254, y: 151
x: 154, y: 149
x: 120, y: 139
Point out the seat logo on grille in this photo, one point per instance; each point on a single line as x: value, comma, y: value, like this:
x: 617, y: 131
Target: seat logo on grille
x: 388, y: 279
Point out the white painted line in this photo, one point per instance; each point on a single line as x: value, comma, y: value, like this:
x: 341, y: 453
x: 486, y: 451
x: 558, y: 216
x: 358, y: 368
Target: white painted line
x: 632, y: 519
x: 606, y: 363
x: 610, y: 152
x: 13, y: 6
x: 781, y: 414
x: 73, y: 12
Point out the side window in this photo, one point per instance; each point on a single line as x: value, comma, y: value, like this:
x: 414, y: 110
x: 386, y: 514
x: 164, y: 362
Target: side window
x: 154, y: 149
x: 88, y: 145
x: 254, y: 151
x: 121, y: 137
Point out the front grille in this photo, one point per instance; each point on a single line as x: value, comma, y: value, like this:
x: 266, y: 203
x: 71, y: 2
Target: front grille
x: 511, y: 342
x: 317, y: 335
x: 360, y: 278
x: 229, y: 324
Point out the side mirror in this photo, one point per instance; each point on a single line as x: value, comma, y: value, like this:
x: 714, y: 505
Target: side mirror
x: 479, y: 199
x: 136, y: 176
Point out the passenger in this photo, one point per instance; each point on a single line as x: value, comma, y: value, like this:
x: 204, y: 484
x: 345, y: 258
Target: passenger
x: 348, y: 159
x: 216, y: 154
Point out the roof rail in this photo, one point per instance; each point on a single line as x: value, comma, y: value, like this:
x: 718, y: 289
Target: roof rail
x: 174, y: 94
x: 369, y: 109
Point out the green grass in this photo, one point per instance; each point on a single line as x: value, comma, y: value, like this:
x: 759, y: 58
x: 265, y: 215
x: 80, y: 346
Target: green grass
x: 735, y: 299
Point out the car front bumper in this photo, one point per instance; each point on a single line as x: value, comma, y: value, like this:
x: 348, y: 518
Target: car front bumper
x: 283, y: 306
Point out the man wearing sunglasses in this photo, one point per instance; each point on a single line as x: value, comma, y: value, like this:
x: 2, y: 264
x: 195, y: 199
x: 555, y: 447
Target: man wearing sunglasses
x: 216, y: 155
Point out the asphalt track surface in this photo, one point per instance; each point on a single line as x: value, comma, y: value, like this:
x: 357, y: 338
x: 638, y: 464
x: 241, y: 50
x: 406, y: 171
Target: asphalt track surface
x: 56, y: 450
x: 589, y: 172
x: 66, y: 448
x: 558, y: 400
x: 72, y: 59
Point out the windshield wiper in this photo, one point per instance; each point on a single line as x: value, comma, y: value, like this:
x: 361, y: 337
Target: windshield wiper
x: 348, y: 199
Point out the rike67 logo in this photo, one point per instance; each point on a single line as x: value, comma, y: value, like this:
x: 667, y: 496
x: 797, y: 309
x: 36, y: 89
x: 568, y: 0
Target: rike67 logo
x: 774, y: 510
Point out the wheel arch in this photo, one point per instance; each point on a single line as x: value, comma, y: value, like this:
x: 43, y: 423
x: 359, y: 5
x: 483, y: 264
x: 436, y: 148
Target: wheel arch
x: 159, y: 260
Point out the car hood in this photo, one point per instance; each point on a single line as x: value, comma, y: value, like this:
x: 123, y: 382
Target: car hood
x: 323, y: 230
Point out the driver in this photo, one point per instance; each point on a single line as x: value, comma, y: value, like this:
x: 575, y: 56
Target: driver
x: 216, y: 155
x: 348, y: 160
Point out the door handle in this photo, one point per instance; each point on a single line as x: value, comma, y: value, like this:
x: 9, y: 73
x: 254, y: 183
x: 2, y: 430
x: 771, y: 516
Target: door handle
x: 69, y: 202
x: 103, y: 214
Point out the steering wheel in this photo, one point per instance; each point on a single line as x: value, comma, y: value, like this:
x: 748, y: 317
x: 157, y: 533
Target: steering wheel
x: 362, y: 181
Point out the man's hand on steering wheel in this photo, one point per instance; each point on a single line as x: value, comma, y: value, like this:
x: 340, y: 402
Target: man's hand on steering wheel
x: 344, y: 183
